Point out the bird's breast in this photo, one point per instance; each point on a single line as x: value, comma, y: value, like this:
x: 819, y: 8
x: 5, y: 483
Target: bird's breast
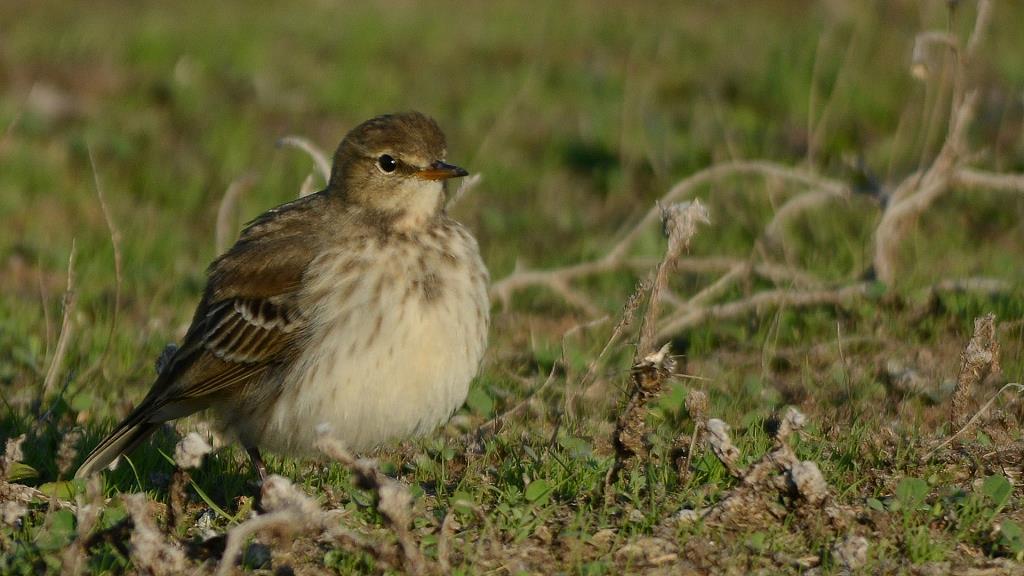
x: 398, y: 328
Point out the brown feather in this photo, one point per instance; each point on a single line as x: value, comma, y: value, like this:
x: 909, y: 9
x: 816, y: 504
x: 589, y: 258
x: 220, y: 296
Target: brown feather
x: 248, y: 322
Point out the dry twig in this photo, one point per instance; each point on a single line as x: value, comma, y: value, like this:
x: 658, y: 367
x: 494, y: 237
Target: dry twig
x: 841, y: 296
x: 915, y: 194
x: 228, y: 209
x: 648, y: 378
x: 680, y: 224
x: 617, y: 257
x: 115, y: 242
x: 394, y: 501
x: 66, y: 328
x: 771, y: 487
x: 151, y: 552
x: 492, y: 425
x: 320, y: 158
x: 651, y: 369
x: 974, y: 419
x: 979, y: 359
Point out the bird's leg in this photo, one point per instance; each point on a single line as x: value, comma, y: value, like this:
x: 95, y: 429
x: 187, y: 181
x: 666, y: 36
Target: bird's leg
x: 257, y: 463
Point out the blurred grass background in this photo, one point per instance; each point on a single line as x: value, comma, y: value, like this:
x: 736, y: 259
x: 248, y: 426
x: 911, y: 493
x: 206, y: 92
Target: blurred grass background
x: 579, y: 115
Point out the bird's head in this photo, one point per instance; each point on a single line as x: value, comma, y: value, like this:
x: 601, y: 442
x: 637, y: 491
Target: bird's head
x: 394, y: 165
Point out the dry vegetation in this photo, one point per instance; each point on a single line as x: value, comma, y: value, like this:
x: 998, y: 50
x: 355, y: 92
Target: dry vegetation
x: 586, y: 470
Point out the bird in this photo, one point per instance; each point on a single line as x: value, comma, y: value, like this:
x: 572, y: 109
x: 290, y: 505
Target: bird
x: 361, y: 309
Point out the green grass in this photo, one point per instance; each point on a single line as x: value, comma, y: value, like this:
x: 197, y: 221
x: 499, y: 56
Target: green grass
x: 579, y: 117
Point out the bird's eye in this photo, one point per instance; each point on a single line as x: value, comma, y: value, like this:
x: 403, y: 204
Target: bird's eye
x: 387, y: 163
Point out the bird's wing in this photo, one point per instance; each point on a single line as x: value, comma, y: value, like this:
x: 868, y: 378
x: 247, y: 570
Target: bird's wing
x: 249, y: 321
x: 251, y: 317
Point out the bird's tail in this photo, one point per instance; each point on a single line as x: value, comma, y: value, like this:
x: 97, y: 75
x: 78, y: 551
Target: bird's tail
x: 123, y: 439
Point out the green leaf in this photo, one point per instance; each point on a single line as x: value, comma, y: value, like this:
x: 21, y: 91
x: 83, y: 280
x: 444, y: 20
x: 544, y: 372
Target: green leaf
x: 876, y: 504
x: 462, y: 502
x: 984, y: 440
x: 538, y: 491
x: 480, y: 402
x: 58, y: 530
x: 64, y: 490
x: 20, y: 471
x: 876, y: 290
x: 112, y: 515
x: 757, y: 540
x: 577, y: 447
x: 911, y: 492
x: 998, y: 489
x: 1011, y: 537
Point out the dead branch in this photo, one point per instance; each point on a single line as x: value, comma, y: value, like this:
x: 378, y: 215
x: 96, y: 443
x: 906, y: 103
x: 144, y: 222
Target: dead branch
x: 841, y: 296
x: 794, y: 207
x: 616, y: 258
x: 308, y: 185
x: 680, y: 224
x: 465, y: 186
x: 972, y: 178
x: 651, y: 369
x: 503, y: 289
x: 919, y: 191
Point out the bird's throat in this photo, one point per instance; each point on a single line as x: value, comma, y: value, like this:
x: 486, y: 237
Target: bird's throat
x: 420, y: 208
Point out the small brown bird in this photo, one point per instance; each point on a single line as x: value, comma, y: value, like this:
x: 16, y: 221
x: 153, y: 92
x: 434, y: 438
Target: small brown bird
x: 362, y: 308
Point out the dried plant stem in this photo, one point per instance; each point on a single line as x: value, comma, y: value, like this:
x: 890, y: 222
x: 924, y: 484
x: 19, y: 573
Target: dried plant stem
x: 465, y: 187
x: 771, y: 298
x: 680, y: 222
x: 697, y: 407
x: 625, y: 319
x: 444, y: 561
x: 308, y: 185
x: 66, y: 329
x: 237, y: 535
x: 115, y: 242
x: 394, y: 502
x: 972, y: 178
x: 320, y: 159
x: 492, y: 425
x: 918, y: 191
x: 797, y: 205
x: 9, y: 130
x: 228, y: 210
x: 648, y: 377
x: 616, y: 258
x: 979, y: 359
x: 974, y: 419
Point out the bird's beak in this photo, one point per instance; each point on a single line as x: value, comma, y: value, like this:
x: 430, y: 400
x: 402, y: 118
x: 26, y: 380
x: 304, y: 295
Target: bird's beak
x: 440, y: 171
